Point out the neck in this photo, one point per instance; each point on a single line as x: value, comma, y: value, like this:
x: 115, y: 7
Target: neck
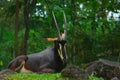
x: 59, y: 62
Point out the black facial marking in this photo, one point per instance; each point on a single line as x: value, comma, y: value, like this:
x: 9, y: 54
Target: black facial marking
x: 60, y: 46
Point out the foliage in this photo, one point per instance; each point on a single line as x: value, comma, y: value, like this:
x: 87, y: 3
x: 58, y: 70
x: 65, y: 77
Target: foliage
x: 1, y: 63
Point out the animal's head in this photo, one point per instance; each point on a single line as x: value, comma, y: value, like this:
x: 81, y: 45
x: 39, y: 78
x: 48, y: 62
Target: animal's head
x: 17, y: 63
x: 60, y: 41
x: 61, y: 49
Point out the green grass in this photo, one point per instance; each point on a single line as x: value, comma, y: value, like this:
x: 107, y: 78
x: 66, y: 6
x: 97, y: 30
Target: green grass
x: 94, y: 78
x: 23, y: 76
x: 35, y: 77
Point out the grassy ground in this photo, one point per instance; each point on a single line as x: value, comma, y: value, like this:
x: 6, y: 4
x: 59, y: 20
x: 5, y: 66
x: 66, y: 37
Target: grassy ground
x: 22, y: 76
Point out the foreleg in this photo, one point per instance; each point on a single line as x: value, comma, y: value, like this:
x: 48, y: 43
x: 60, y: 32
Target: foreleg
x: 45, y: 69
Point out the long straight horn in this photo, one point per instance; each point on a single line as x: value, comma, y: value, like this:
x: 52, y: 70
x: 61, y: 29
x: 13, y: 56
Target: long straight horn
x: 56, y: 25
x: 65, y: 26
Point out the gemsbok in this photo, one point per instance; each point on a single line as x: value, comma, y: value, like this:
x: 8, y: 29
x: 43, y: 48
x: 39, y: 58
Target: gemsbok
x: 50, y: 60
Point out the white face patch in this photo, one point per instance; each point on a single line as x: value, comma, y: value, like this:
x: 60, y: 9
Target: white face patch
x: 65, y: 52
x: 60, y: 52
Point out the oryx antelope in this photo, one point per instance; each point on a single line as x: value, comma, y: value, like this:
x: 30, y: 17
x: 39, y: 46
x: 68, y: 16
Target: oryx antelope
x: 50, y: 60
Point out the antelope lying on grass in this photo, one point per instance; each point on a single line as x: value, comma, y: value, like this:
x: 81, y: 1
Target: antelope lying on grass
x: 50, y: 60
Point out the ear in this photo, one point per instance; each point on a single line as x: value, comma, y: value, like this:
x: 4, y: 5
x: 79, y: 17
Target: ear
x: 15, y: 63
x: 51, y: 39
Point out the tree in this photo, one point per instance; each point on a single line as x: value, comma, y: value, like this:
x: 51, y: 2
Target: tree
x: 16, y: 27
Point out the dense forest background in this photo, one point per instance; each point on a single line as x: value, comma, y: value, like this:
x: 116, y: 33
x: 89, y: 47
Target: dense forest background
x: 93, y: 29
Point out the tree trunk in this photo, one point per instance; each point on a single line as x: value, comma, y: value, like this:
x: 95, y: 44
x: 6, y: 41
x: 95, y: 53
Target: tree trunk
x: 16, y: 27
x: 23, y: 47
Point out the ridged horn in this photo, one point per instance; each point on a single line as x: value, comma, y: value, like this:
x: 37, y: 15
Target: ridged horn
x: 65, y: 26
x: 59, y: 35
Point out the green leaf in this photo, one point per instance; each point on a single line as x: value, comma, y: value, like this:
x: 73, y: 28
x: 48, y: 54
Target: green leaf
x: 1, y: 63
